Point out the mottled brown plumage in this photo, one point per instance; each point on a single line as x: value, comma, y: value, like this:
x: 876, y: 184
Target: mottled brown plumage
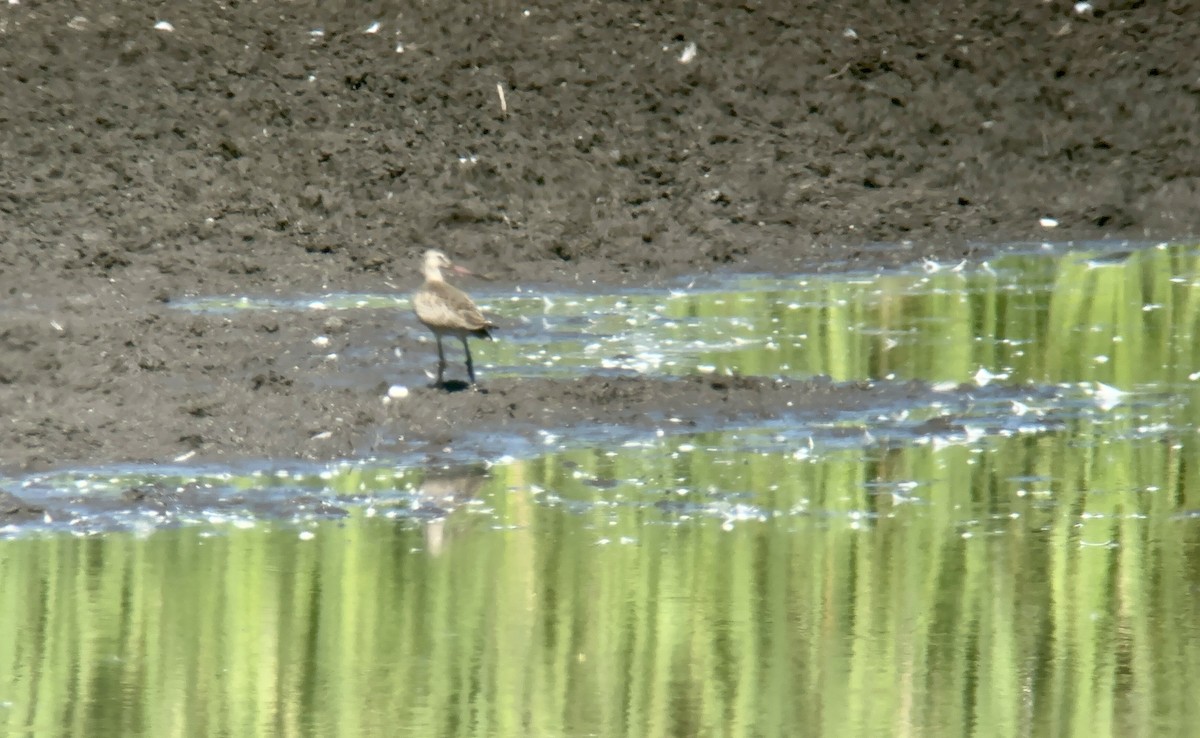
x: 447, y: 311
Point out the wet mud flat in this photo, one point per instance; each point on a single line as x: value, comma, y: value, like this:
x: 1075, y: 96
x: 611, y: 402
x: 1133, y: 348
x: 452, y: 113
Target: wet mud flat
x: 170, y: 385
x: 295, y: 380
x: 241, y: 154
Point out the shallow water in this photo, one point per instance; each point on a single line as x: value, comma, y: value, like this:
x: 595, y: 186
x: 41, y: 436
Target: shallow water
x: 1029, y: 568
x: 1104, y: 308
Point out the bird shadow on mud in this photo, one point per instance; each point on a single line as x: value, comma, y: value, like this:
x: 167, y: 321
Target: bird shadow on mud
x: 457, y: 385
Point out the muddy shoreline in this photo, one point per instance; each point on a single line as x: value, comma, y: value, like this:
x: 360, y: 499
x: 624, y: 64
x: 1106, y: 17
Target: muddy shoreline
x: 294, y: 153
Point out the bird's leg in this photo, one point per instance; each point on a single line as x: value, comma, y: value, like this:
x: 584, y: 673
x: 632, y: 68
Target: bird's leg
x: 441, y: 362
x: 470, y: 366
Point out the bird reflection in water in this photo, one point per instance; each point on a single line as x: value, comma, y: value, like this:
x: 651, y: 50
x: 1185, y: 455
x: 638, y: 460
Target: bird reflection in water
x: 444, y: 490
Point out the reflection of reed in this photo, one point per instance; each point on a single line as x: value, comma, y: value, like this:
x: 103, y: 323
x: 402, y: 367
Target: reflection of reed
x: 442, y: 491
x: 887, y: 620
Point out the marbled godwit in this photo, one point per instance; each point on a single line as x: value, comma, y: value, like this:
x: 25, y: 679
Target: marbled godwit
x: 447, y: 311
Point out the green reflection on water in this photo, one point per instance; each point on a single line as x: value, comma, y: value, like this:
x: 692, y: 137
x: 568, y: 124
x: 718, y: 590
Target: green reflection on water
x: 719, y: 584
x: 1025, y: 318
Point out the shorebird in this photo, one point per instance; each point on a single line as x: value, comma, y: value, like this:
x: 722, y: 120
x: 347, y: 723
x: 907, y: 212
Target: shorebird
x: 448, y: 311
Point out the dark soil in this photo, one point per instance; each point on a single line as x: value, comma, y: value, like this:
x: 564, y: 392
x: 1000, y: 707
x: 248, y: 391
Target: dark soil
x: 243, y: 153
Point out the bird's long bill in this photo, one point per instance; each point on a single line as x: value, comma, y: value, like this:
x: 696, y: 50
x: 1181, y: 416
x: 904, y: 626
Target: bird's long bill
x: 467, y: 272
